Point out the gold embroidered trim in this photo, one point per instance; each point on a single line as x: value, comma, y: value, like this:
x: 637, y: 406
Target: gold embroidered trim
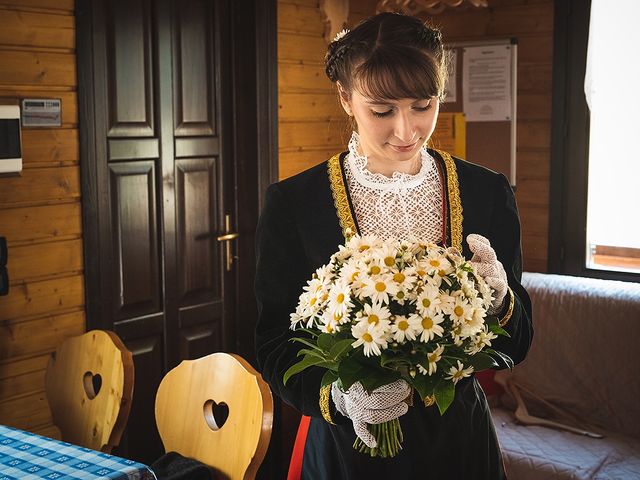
x: 455, y: 204
x: 325, y: 393
x: 507, y: 316
x: 340, y: 198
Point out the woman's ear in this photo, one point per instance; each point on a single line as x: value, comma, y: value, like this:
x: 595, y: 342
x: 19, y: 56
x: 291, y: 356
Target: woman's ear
x: 345, y: 99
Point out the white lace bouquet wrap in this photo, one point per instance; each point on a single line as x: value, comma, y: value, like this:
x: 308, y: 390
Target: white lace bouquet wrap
x: 383, y: 310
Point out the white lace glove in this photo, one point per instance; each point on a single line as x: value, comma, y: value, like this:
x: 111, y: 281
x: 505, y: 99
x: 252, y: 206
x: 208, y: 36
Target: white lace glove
x: 384, y: 404
x: 489, y: 267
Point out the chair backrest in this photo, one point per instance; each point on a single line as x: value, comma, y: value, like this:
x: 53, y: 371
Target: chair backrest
x: 89, y: 385
x: 217, y: 410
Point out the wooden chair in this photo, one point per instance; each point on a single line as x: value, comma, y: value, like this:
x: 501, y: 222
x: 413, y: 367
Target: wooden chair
x: 217, y: 410
x: 89, y: 385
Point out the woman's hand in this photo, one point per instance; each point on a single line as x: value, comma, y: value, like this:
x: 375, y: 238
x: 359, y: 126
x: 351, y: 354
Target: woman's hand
x: 382, y: 405
x: 489, y: 267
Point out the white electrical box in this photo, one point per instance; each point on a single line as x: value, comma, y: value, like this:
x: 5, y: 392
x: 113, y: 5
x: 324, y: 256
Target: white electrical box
x: 10, y: 139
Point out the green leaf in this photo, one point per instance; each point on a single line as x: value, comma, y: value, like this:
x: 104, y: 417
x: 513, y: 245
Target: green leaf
x: 314, y: 353
x: 328, y: 378
x: 351, y: 370
x: 326, y: 341
x: 341, y: 347
x: 503, y: 360
x: 307, y: 342
x: 482, y: 361
x: 303, y: 364
x: 379, y: 378
x: 313, y: 333
x: 444, y: 392
x: 424, y: 384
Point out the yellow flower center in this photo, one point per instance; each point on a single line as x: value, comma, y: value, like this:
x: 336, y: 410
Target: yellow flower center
x: 458, y: 311
x: 374, y: 319
x: 367, y: 337
x: 389, y: 261
x: 426, y: 303
x: 399, y: 277
x: 427, y: 323
x: 329, y: 329
x: 363, y: 248
x: 340, y: 298
x: 337, y: 317
x: 421, y: 273
x: 313, y: 301
x: 325, y: 296
x: 403, y: 325
x: 400, y: 295
x: 380, y: 286
x: 433, y: 357
x: 375, y: 270
x: 434, y: 263
x: 457, y: 375
x: 354, y: 275
x: 442, y: 273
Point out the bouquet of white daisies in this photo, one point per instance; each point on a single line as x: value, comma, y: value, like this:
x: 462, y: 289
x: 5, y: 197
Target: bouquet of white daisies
x: 383, y: 310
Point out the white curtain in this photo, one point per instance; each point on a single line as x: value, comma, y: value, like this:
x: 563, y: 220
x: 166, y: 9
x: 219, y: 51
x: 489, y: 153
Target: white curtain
x: 612, y: 89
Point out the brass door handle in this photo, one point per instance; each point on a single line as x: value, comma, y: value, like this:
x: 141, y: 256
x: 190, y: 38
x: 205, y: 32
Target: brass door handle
x: 227, y: 237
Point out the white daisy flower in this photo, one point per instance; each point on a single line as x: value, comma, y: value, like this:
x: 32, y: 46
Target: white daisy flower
x: 429, y: 301
x: 436, y: 263
x: 404, y: 329
x: 364, y: 243
x: 379, y: 288
x: 376, y: 314
x: 430, y: 326
x: 370, y: 337
x: 458, y: 373
x: 460, y: 310
x: 340, y: 299
x: 387, y: 254
x: 433, y: 358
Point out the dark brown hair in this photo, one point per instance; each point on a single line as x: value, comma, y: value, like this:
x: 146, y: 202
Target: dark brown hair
x: 389, y: 56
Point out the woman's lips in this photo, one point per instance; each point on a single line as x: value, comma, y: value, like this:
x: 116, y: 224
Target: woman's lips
x: 406, y: 148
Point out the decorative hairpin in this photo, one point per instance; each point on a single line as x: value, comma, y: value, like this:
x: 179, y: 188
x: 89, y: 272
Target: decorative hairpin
x: 340, y: 34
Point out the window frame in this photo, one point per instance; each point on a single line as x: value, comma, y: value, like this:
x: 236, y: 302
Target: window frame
x: 570, y: 147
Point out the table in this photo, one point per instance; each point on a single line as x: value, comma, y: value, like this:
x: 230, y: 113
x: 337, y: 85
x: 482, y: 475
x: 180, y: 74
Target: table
x: 28, y: 456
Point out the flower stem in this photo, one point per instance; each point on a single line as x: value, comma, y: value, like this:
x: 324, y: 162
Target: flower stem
x: 389, y: 437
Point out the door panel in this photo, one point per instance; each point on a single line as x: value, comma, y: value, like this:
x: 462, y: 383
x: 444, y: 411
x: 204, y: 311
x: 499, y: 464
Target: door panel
x: 130, y: 76
x: 135, y: 239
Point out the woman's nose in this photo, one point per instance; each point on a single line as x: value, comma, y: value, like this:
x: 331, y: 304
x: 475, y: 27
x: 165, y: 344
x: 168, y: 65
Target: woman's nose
x: 404, y: 129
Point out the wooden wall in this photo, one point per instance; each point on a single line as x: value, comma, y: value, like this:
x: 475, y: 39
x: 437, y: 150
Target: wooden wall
x: 40, y: 210
x: 311, y: 124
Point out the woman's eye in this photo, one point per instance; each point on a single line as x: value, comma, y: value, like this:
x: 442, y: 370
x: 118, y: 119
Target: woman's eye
x: 382, y: 114
x: 422, y: 109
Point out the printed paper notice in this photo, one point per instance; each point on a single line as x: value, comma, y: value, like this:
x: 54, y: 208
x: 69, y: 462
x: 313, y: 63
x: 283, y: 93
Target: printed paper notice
x: 486, y: 83
x: 451, y: 87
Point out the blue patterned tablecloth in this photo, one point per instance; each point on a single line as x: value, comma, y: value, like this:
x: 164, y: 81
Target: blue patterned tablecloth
x: 29, y: 456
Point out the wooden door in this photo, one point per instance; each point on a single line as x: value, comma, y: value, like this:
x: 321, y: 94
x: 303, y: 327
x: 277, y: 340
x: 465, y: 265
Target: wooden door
x: 160, y: 174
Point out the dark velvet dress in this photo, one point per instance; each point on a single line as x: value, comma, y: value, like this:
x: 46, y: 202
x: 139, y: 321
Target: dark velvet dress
x: 301, y: 225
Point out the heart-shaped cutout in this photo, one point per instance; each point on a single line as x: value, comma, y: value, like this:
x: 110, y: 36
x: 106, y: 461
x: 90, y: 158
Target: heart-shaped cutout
x: 92, y: 384
x: 215, y: 414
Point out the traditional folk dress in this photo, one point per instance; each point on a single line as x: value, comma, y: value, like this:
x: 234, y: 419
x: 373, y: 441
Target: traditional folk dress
x: 303, y: 222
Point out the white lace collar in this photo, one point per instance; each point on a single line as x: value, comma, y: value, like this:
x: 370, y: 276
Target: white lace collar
x: 398, y: 181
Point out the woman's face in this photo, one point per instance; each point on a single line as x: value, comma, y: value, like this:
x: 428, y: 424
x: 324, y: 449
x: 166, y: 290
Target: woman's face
x: 392, y: 131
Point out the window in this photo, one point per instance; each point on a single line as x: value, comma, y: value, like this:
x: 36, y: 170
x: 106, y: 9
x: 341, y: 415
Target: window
x: 595, y: 169
x: 611, y: 90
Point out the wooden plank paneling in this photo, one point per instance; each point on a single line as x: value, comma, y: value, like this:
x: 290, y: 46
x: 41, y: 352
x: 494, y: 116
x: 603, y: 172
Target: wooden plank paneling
x: 300, y: 78
x: 32, y: 261
x: 297, y: 48
x: 43, y: 223
x: 310, y: 106
x: 26, y: 412
x: 300, y: 19
x: 39, y: 68
x: 36, y: 29
x: 533, y: 134
x: 534, y: 78
x: 40, y: 298
x: 40, y: 213
x: 41, y: 184
x: 31, y: 337
x: 63, y: 5
x: 49, y: 147
x: 309, y: 134
x: 297, y: 161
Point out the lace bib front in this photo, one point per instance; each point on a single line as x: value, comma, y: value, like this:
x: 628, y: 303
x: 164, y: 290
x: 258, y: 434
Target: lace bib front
x: 402, y: 206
